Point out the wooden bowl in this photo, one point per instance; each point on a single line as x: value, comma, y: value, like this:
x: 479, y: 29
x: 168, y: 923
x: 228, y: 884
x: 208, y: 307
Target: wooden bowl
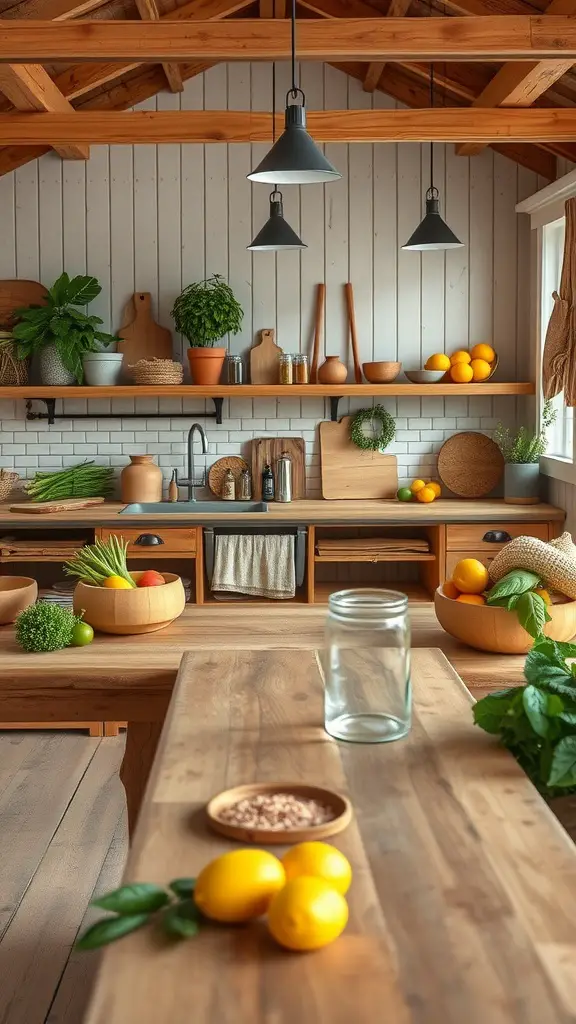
x: 339, y: 804
x: 381, y: 372
x: 128, y: 612
x: 16, y: 594
x: 487, y: 628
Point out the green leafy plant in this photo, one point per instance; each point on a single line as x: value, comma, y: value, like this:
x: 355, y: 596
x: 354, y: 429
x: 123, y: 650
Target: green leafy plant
x: 206, y: 311
x: 45, y: 627
x: 537, y: 722
x: 86, y: 480
x: 525, y: 445
x: 61, y: 324
x: 516, y: 592
x: 97, y: 562
x: 137, y: 905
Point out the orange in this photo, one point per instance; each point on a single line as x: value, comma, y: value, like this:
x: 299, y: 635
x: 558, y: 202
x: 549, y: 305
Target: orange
x: 116, y: 583
x: 483, y: 352
x: 544, y: 595
x: 439, y: 361
x: 320, y: 860
x: 426, y: 494
x: 461, y: 356
x: 307, y: 913
x: 481, y: 369
x: 471, y: 599
x: 461, y: 373
x: 470, y: 576
x: 239, y: 885
x: 417, y: 485
x: 449, y: 589
x: 435, y: 487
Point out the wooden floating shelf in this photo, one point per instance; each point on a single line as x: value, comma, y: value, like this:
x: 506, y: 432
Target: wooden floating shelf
x: 269, y: 390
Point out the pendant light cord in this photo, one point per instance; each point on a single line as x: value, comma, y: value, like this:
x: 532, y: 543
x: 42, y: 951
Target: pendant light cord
x: 294, y: 89
x: 431, y: 143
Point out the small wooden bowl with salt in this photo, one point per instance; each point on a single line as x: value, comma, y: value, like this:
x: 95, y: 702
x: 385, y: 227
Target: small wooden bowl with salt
x: 277, y: 813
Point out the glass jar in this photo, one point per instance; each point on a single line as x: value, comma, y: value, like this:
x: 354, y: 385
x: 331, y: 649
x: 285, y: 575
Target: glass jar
x: 286, y: 368
x: 300, y: 373
x: 235, y: 370
x: 366, y: 664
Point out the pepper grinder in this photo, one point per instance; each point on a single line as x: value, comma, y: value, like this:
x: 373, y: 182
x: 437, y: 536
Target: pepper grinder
x: 284, y: 478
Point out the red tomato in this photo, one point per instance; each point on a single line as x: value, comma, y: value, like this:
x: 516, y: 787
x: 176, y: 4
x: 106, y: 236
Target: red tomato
x: 151, y: 578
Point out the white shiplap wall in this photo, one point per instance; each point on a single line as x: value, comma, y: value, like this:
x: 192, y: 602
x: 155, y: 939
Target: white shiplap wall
x: 154, y: 218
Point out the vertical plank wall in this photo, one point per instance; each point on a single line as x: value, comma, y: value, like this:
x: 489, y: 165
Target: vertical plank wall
x: 154, y: 218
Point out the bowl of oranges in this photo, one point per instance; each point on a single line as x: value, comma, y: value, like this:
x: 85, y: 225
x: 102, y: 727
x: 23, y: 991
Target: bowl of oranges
x: 465, y: 367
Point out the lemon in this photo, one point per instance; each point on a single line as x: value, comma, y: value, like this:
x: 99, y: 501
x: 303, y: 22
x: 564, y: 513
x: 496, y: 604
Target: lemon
x: 543, y: 594
x: 426, y: 494
x: 438, y: 361
x: 481, y: 369
x: 471, y: 599
x: 307, y: 913
x: 483, y: 352
x: 238, y: 885
x: 461, y: 356
x: 117, y: 583
x: 435, y: 487
x: 322, y: 861
x: 461, y: 373
x: 417, y: 485
x: 470, y: 576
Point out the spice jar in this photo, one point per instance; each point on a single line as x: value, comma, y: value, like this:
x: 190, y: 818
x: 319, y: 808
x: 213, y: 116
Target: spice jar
x: 300, y: 373
x: 228, y: 490
x: 286, y: 368
x: 245, y: 485
x: 235, y: 370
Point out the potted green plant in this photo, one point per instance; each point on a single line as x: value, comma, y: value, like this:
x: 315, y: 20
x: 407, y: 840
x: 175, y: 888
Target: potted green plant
x: 522, y: 450
x: 60, y: 334
x: 204, y: 313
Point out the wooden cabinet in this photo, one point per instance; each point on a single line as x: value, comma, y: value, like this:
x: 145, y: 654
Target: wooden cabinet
x: 179, y: 539
x: 474, y: 537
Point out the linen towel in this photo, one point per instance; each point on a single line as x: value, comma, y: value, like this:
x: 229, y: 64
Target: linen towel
x: 261, y: 565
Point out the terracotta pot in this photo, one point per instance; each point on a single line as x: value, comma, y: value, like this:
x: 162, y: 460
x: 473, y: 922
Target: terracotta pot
x: 487, y: 628
x: 332, y: 371
x: 128, y: 612
x: 141, y: 480
x: 16, y: 594
x: 206, y: 364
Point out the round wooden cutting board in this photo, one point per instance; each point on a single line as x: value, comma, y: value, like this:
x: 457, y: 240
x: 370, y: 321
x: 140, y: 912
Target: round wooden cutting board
x: 218, y: 469
x: 470, y: 464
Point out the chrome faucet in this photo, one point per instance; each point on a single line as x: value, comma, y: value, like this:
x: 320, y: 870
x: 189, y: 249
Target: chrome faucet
x: 190, y: 481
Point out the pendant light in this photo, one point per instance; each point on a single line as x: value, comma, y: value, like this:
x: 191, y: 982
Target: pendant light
x: 276, y: 235
x: 432, y: 232
x: 295, y: 158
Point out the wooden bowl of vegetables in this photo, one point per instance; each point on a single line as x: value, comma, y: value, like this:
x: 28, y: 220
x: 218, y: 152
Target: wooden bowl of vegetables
x: 114, y: 600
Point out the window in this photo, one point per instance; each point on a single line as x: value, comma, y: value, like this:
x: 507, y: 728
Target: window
x: 561, y: 433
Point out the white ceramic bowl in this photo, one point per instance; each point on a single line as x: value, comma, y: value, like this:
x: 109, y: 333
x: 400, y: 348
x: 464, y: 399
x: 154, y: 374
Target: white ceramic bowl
x: 425, y: 376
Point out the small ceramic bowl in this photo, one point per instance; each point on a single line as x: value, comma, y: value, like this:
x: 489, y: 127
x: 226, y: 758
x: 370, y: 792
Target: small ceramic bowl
x: 16, y: 594
x: 424, y: 376
x: 381, y: 372
x: 340, y: 806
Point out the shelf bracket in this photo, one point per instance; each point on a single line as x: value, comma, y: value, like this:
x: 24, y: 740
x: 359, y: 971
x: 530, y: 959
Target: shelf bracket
x: 49, y: 415
x: 334, y: 400
x: 218, y: 403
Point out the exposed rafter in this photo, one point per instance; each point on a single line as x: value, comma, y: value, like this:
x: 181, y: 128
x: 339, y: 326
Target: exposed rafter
x: 397, y: 9
x: 30, y: 88
x: 148, y: 11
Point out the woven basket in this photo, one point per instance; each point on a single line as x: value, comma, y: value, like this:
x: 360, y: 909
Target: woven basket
x: 555, y: 562
x: 157, y: 371
x: 13, y: 371
x: 8, y: 482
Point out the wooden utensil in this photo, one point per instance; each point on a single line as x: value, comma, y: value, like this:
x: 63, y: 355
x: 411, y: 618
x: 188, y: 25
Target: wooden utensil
x: 65, y: 505
x: 266, y: 450
x: 470, y: 464
x: 143, y: 338
x: 319, y: 318
x: 218, y: 469
x: 350, y: 472
x: 339, y: 805
x: 353, y: 336
x: 265, y: 359
x: 14, y: 294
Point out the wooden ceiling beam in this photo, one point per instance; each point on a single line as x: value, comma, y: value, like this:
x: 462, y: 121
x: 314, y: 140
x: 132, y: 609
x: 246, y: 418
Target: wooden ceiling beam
x: 385, y: 39
x: 30, y: 88
x: 52, y: 10
x: 441, y: 124
x: 148, y: 11
x: 396, y: 9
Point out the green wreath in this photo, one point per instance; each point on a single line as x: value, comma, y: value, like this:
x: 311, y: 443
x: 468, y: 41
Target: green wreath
x: 387, y: 429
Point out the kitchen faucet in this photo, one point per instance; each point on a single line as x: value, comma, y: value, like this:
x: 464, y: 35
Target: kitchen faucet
x: 190, y: 481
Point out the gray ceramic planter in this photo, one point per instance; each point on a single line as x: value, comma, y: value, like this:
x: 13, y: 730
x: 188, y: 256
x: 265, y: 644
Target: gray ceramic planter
x: 53, y: 373
x: 522, y: 483
x: 102, y: 369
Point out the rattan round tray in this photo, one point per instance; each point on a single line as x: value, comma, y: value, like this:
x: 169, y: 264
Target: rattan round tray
x: 470, y: 464
x: 218, y: 469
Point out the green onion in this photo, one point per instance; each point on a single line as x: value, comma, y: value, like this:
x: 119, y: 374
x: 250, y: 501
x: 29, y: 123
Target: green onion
x: 96, y: 562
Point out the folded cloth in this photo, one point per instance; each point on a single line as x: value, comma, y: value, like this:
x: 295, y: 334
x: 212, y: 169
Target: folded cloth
x: 260, y: 565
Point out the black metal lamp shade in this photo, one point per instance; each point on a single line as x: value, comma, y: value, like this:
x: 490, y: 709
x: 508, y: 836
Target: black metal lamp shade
x: 276, y: 235
x: 295, y: 158
x: 432, y: 232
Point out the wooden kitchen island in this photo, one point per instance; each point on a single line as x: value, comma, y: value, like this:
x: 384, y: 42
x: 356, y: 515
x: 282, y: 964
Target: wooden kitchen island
x: 463, y: 900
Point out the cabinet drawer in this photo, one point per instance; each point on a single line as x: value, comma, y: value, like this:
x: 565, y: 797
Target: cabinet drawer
x: 173, y: 539
x: 453, y: 557
x: 470, y: 536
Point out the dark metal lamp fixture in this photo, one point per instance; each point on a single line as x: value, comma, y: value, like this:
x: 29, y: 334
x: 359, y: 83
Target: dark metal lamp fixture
x: 276, y: 235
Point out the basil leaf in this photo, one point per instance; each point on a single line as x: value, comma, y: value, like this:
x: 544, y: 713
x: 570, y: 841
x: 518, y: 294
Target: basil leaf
x: 182, y: 920
x: 536, y: 705
x: 183, y: 887
x: 553, y: 675
x: 516, y: 582
x: 489, y: 712
x: 563, y: 770
x: 564, y: 650
x: 531, y: 611
x: 142, y: 897
x: 109, y: 930
x: 555, y: 705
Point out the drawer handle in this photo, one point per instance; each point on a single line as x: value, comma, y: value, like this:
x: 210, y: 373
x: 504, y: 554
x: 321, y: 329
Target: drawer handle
x: 496, y: 537
x: 148, y: 540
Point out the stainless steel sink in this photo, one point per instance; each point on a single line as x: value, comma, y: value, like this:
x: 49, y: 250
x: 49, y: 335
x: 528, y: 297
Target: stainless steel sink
x: 178, y: 508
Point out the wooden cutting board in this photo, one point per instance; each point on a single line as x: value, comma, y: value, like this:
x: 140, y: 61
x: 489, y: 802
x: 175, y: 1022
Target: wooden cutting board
x: 350, y: 472
x: 143, y: 337
x: 15, y: 294
x: 66, y: 505
x: 268, y: 450
x: 265, y: 360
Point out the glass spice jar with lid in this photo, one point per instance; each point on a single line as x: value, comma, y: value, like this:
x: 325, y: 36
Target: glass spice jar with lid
x: 286, y: 368
x: 300, y: 372
x: 235, y: 369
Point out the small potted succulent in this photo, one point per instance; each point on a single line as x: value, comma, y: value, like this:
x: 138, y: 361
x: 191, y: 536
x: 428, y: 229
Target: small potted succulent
x: 204, y: 313
x: 522, y: 451
x: 62, y: 336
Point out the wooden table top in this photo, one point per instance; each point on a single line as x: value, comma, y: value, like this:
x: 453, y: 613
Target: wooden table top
x: 463, y: 901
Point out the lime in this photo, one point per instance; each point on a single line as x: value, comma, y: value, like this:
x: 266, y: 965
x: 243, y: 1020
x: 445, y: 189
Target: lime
x: 82, y: 634
x: 404, y: 494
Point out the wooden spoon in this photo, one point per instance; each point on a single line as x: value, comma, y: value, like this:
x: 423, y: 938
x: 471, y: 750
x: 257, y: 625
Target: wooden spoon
x: 353, y: 336
x: 320, y: 297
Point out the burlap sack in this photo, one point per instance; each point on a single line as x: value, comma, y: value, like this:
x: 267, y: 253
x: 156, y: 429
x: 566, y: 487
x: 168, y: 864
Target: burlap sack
x: 555, y: 563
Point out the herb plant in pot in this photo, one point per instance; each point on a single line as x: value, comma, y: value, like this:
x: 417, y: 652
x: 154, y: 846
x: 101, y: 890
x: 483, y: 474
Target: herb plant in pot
x: 522, y: 451
x: 61, y: 334
x: 204, y: 313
